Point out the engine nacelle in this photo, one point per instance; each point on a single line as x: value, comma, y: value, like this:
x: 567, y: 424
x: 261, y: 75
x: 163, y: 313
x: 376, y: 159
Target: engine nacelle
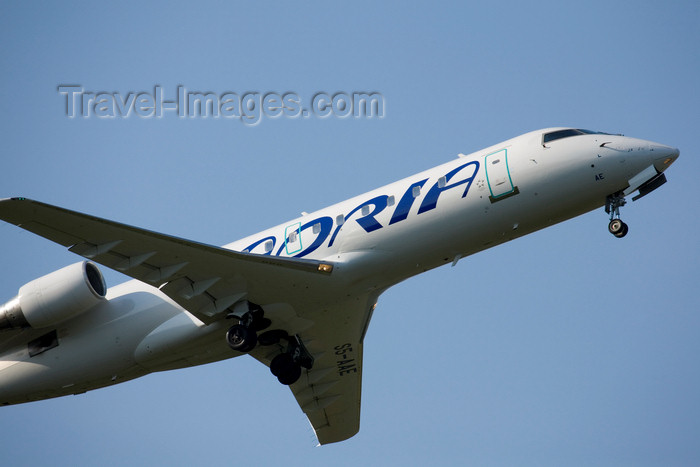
x: 55, y: 297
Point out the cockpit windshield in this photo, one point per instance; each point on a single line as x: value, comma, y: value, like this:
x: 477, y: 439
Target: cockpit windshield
x: 559, y: 134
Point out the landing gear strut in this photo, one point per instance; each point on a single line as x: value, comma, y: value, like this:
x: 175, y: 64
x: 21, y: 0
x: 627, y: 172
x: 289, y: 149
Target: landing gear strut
x: 613, y: 203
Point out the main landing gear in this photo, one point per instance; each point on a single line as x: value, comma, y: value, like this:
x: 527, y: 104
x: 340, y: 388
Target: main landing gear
x: 243, y: 337
x: 287, y: 365
x: 613, y: 203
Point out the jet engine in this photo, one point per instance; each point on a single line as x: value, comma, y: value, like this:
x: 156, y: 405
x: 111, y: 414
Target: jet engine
x: 55, y: 297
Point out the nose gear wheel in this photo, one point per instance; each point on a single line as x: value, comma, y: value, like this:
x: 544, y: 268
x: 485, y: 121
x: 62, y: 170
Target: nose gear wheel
x: 618, y: 228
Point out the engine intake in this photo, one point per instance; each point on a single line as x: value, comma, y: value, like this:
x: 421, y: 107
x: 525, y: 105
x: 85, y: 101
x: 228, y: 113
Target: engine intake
x: 55, y: 297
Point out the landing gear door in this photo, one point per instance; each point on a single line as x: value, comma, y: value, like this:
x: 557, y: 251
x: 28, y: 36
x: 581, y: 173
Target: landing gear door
x: 498, y: 176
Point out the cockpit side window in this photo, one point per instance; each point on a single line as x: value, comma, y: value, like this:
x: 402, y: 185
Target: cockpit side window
x: 559, y: 134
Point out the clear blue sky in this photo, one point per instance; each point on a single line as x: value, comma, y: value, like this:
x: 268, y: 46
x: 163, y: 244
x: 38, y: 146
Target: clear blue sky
x: 585, y: 352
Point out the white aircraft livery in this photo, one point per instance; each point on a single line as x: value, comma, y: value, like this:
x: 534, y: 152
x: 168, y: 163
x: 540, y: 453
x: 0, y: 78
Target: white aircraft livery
x: 297, y: 297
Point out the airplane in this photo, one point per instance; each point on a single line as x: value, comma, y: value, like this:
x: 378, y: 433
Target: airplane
x: 297, y: 297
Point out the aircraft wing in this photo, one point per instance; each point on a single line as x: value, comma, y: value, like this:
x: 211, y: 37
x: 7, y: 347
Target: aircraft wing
x: 203, y: 279
x: 301, y: 296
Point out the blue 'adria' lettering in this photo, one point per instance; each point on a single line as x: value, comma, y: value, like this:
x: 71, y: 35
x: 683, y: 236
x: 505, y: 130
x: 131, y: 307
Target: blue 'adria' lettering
x: 431, y: 199
x: 368, y: 222
x: 404, y: 206
x: 268, y: 251
x: 322, y: 226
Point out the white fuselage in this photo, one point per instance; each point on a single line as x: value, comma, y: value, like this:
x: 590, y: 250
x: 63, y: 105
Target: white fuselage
x: 375, y: 240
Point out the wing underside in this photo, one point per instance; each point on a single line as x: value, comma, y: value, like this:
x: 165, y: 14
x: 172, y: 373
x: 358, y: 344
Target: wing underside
x: 306, y: 297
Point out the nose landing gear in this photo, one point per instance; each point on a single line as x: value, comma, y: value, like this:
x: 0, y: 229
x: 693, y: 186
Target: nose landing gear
x: 613, y: 203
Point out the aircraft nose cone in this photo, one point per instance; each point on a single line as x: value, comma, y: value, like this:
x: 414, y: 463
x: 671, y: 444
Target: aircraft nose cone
x: 665, y: 156
x: 675, y: 152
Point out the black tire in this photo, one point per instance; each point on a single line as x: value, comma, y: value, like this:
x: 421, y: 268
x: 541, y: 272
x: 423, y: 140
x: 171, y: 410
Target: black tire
x: 261, y: 323
x: 623, y: 231
x: 241, y: 338
x: 252, y: 341
x: 291, y: 375
x: 280, y: 363
x: 615, y: 227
